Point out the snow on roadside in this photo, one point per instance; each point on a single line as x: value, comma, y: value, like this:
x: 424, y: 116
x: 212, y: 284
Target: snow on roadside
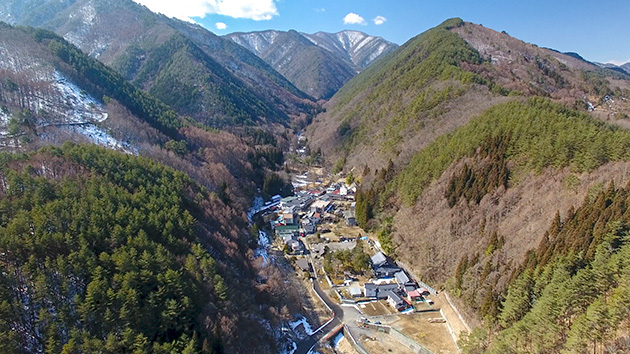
x: 301, y: 320
x: 305, y: 331
x: 338, y: 339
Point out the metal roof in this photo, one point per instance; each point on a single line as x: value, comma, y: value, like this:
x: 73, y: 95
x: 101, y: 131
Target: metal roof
x: 401, y: 277
x: 379, y: 259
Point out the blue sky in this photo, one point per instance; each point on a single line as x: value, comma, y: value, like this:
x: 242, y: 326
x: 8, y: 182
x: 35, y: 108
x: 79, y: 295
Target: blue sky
x: 599, y: 31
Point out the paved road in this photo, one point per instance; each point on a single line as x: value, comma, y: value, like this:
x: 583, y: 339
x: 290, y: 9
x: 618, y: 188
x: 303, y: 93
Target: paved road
x: 308, y: 343
x: 347, y: 315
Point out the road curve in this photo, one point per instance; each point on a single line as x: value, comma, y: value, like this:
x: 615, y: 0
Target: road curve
x: 305, y: 345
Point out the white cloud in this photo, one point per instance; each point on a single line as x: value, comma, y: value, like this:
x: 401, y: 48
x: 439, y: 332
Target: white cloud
x: 185, y: 9
x: 323, y: 9
x: 379, y: 20
x: 353, y: 19
x: 220, y: 25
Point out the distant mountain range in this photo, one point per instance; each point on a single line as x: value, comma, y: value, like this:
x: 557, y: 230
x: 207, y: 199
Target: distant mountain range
x: 623, y: 67
x: 199, y: 74
x: 318, y: 64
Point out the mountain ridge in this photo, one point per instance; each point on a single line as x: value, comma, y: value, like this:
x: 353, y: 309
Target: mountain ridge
x: 232, y: 82
x: 319, y: 63
x: 625, y: 68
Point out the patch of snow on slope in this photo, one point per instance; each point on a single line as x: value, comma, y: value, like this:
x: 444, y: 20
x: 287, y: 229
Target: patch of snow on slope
x: 312, y: 39
x: 364, y: 41
x: 257, y: 205
x: 79, y: 36
x: 17, y: 58
x: 256, y: 42
x: 99, y: 137
x: 350, y: 38
x: 81, y: 107
x: 4, y: 123
x: 81, y: 111
x: 4, y: 118
x: 263, y: 248
x: 292, y: 347
x: 377, y: 52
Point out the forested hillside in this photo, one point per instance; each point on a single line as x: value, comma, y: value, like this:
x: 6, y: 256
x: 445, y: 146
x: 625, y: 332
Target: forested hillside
x: 534, y: 135
x: 474, y: 211
x: 572, y: 294
x: 442, y: 78
x: 52, y: 92
x: 106, y: 252
x: 489, y: 166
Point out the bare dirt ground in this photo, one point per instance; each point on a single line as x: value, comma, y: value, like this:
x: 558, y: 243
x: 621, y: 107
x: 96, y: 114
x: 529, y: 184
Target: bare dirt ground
x: 381, y: 343
x: 344, y: 230
x: 376, y: 308
x: 451, y: 316
x: 344, y: 347
x: 433, y: 336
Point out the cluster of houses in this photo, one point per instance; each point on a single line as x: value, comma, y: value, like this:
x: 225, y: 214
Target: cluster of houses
x: 392, y: 284
x: 300, y: 214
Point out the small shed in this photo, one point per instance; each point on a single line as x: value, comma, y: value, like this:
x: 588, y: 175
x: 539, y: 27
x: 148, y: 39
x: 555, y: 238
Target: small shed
x: 350, y: 218
x: 303, y: 264
x: 310, y: 228
x: 414, y: 295
x: 355, y: 292
x: 296, y: 246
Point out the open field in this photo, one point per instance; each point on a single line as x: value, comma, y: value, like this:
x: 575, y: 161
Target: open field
x: 433, y: 336
x: 376, y: 308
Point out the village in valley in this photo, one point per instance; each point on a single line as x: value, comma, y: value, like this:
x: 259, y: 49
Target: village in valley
x: 310, y: 226
x: 392, y: 310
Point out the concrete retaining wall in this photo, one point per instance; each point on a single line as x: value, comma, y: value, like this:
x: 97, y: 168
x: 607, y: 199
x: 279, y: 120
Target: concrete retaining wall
x: 408, y: 342
x: 450, y: 330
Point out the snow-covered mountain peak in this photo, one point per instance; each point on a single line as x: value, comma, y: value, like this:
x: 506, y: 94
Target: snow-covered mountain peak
x: 316, y: 63
x: 256, y: 42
